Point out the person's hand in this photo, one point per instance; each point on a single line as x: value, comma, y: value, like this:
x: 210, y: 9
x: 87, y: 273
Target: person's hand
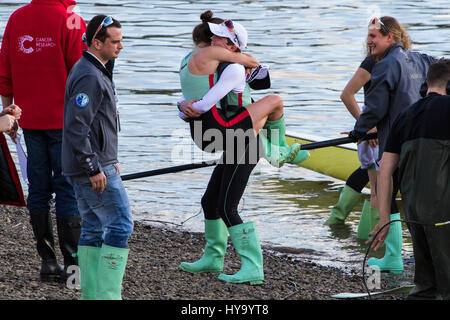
x: 351, y: 135
x: 187, y: 108
x: 13, y: 132
x: 13, y: 110
x: 98, y: 182
x: 378, y: 242
x: 248, y: 72
x: 373, y: 142
x: 347, y: 133
x: 117, y: 167
x: 6, y: 123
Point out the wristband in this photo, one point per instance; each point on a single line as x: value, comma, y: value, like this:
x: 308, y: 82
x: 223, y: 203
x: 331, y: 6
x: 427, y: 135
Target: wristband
x: 94, y: 173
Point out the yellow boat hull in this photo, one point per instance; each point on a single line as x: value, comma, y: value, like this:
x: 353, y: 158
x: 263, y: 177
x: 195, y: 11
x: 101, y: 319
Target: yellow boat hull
x: 337, y: 162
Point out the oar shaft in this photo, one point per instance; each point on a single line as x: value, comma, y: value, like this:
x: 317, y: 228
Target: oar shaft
x: 335, y: 142
x: 157, y: 172
x: 191, y: 166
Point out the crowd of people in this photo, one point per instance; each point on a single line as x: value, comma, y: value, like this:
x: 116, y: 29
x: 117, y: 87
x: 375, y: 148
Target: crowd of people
x: 71, y: 137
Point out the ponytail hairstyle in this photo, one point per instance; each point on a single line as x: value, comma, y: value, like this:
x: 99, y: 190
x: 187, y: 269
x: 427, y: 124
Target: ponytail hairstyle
x: 201, y: 32
x: 399, y: 34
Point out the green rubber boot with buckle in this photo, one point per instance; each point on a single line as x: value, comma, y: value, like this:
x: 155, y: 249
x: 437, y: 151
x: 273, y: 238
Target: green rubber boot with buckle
x: 246, y: 243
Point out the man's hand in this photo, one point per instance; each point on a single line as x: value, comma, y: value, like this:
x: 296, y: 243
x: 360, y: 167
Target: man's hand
x: 187, y: 108
x: 98, y: 182
x: 378, y: 242
x: 117, y: 167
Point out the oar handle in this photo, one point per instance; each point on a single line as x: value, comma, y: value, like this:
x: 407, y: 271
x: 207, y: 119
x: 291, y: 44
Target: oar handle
x: 335, y: 142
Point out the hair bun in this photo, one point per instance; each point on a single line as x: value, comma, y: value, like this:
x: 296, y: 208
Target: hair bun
x: 206, y: 16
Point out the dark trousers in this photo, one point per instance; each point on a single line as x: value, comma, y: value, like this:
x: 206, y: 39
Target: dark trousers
x: 226, y: 187
x: 44, y: 174
x: 432, y: 260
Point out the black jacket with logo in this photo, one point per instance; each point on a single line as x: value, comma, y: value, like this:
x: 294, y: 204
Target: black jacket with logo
x: 90, y: 119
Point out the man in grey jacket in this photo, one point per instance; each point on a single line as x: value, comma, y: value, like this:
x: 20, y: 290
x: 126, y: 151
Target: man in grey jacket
x: 395, y: 84
x: 89, y: 157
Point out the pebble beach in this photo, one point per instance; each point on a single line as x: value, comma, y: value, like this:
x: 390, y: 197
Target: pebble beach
x: 152, y: 271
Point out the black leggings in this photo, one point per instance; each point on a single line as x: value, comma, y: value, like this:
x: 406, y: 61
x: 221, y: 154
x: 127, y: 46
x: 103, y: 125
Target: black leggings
x: 359, y: 179
x: 225, y: 189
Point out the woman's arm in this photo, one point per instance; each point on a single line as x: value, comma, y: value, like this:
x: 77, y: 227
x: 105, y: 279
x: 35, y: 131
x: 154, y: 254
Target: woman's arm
x: 359, y: 79
x: 224, y: 55
x: 231, y: 79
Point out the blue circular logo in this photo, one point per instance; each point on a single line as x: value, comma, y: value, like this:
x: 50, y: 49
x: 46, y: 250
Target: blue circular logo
x: 82, y: 100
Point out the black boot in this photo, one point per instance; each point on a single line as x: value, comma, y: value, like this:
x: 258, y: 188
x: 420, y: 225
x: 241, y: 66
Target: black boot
x: 69, y: 230
x: 43, y: 233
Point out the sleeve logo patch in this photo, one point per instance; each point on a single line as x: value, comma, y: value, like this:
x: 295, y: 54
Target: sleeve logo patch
x: 82, y: 100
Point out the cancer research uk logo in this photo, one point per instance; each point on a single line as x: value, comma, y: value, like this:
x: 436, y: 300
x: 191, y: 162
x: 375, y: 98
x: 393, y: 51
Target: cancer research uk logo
x: 28, y: 44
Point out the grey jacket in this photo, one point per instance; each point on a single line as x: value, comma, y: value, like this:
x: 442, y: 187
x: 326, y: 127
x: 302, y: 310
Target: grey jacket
x: 395, y: 85
x: 90, y: 119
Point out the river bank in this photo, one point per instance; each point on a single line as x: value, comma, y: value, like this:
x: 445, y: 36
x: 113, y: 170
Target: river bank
x: 152, y: 271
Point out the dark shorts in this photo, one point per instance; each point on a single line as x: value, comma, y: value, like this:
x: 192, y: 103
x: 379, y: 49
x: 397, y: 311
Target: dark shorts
x: 213, y: 132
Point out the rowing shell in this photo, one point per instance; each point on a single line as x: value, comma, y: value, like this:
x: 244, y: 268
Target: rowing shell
x: 338, y: 162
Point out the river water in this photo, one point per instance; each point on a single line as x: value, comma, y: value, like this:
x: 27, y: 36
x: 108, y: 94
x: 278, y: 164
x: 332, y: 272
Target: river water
x: 312, y: 47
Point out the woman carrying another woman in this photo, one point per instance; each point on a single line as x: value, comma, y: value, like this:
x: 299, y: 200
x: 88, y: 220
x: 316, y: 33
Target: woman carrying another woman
x: 228, y: 181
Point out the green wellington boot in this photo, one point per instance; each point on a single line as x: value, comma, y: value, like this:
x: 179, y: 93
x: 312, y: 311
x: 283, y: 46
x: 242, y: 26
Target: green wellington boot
x: 278, y: 152
x: 88, y: 257
x: 246, y: 242
x: 392, y: 260
x: 347, y: 200
x: 111, y: 268
x: 374, y: 217
x: 216, y: 235
x: 364, y: 225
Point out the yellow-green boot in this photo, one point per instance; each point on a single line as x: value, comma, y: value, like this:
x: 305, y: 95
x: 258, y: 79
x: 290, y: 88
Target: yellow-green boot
x: 364, y: 225
x: 347, y: 200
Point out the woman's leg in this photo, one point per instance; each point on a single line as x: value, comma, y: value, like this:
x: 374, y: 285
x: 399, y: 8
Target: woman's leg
x: 234, y: 180
x: 349, y: 197
x: 243, y: 235
x: 216, y: 233
x: 267, y: 113
x: 268, y: 108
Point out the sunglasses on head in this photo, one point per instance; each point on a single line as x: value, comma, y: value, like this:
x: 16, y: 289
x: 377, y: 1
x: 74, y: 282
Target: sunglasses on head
x: 229, y: 24
x: 376, y: 23
x: 105, y: 23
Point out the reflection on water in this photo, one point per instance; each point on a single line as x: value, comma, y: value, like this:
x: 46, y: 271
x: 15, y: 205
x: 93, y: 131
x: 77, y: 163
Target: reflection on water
x: 312, y: 47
